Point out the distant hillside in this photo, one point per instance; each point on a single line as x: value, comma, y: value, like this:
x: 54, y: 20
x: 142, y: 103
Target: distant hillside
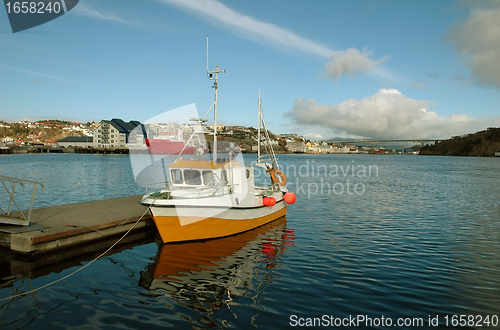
x: 480, y: 144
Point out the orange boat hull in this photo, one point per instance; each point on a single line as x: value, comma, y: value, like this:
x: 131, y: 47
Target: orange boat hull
x: 200, y: 228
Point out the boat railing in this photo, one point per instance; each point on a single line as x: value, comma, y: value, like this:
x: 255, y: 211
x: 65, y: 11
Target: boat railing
x: 6, y: 215
x: 221, y: 189
x: 263, y: 189
x: 157, y: 186
x: 218, y: 190
x: 208, y: 191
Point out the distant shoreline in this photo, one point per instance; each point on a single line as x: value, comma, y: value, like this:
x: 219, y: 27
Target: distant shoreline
x: 112, y: 151
x: 126, y: 152
x: 481, y: 144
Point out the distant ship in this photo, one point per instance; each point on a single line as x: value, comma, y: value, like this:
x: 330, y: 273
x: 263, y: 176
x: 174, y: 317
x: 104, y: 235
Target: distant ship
x: 4, y: 149
x: 162, y: 146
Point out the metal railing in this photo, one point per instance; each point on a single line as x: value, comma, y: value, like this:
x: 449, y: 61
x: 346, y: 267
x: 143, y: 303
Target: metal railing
x: 14, y: 221
x: 157, y: 186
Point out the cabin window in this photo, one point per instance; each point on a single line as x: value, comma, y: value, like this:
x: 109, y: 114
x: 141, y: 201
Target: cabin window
x: 177, y: 176
x: 192, y: 177
x: 208, y: 176
x: 223, y: 177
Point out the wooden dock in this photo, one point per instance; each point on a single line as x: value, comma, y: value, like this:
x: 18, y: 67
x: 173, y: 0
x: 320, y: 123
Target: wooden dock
x: 59, y: 227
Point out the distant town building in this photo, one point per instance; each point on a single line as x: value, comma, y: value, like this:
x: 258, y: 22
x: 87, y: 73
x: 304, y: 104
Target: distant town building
x: 113, y: 133
x: 296, y: 147
x: 322, y: 149
x: 339, y: 150
x: 76, y: 141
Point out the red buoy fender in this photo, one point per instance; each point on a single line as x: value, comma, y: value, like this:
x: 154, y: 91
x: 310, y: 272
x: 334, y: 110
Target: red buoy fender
x: 290, y: 197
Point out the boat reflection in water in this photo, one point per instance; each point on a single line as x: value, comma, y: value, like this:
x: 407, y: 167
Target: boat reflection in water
x: 208, y: 275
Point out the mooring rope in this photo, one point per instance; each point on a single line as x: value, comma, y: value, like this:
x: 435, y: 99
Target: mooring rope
x: 81, y: 268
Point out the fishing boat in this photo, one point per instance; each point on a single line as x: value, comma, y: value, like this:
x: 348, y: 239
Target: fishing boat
x: 210, y: 198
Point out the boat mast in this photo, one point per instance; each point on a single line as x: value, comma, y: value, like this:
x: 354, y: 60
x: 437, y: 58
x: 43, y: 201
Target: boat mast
x: 211, y: 77
x: 268, y: 146
x: 258, y: 132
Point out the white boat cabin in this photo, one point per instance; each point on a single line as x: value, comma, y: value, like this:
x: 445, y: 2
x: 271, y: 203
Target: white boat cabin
x: 204, y: 176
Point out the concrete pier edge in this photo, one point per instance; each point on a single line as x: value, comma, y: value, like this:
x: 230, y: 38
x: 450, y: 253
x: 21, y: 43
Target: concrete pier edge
x: 64, y: 226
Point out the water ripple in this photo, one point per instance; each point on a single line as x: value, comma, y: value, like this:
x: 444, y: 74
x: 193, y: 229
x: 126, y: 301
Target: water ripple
x: 422, y: 240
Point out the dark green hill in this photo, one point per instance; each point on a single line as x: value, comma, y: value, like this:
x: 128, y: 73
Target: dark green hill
x: 480, y: 144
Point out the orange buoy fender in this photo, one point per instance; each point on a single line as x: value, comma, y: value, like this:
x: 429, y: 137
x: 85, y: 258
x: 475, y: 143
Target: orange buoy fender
x: 290, y: 197
x: 266, y: 200
x: 278, y: 177
x: 272, y: 201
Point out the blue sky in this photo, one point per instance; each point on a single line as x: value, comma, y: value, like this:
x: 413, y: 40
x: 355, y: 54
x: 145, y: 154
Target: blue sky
x: 391, y: 69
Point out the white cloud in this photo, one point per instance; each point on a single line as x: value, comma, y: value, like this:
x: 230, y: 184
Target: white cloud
x: 251, y: 27
x: 478, y: 39
x: 85, y: 10
x: 33, y: 72
x: 350, y: 61
x: 387, y: 114
x: 418, y: 84
x: 314, y: 136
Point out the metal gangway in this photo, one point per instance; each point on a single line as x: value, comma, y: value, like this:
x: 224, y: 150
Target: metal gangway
x: 5, y: 217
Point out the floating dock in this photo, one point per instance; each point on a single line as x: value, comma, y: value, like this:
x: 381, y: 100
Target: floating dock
x: 59, y: 227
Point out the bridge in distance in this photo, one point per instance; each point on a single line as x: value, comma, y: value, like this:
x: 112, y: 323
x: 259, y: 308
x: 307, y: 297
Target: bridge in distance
x: 382, y: 141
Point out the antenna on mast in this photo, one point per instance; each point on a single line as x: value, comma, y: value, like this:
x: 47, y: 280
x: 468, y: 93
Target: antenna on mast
x: 214, y: 105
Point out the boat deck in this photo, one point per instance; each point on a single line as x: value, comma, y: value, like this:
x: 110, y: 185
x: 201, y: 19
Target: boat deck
x: 59, y: 227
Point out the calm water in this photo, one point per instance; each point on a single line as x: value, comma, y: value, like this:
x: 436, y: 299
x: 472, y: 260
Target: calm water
x: 398, y: 237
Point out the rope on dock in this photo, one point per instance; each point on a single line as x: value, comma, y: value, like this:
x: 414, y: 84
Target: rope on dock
x: 81, y: 268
